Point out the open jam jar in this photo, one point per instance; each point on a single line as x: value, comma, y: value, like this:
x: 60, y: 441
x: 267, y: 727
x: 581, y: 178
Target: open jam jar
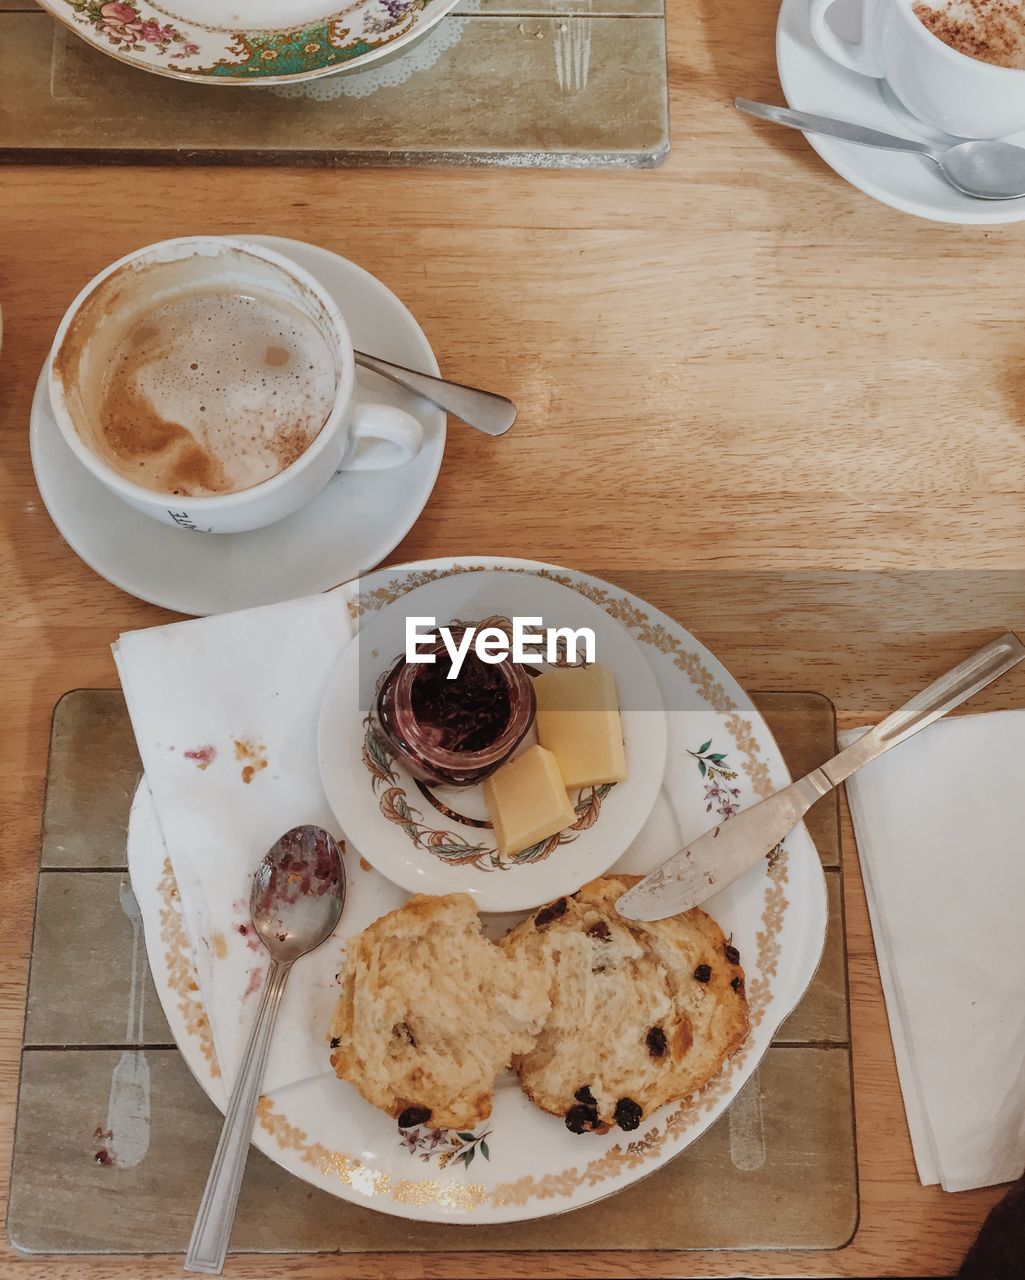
x: 459, y: 731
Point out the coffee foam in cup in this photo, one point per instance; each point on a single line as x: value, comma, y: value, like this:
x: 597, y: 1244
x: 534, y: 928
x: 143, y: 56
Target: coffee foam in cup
x: 988, y: 30
x: 191, y: 384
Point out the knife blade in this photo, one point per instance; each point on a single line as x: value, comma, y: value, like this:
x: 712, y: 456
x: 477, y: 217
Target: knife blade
x: 723, y: 854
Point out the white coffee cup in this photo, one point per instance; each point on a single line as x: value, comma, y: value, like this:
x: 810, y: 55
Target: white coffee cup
x: 354, y: 437
x: 946, y: 89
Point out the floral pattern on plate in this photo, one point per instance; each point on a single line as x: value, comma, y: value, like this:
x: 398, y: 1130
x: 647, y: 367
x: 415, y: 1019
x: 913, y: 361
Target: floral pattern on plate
x: 450, y: 846
x: 122, y: 23
x: 445, y: 1145
x: 220, y: 53
x: 720, y: 793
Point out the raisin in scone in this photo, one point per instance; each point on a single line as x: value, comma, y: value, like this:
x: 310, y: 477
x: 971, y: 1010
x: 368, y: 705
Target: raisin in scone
x: 641, y: 1013
x: 431, y: 1012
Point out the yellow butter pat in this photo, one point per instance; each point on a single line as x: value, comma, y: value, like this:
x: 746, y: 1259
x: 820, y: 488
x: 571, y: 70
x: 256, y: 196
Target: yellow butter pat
x: 527, y: 801
x: 578, y: 722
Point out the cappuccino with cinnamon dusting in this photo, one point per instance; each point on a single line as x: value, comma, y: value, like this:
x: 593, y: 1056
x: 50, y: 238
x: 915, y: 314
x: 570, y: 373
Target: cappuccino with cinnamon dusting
x: 989, y: 30
x: 198, y: 386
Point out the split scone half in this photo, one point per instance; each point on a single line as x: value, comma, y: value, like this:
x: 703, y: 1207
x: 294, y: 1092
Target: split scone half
x: 641, y: 1013
x: 431, y: 1012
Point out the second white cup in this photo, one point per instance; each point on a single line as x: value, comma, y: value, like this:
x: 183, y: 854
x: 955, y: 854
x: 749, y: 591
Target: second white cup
x: 944, y: 88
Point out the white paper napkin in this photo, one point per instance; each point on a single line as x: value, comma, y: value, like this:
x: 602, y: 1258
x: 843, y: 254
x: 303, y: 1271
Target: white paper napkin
x: 940, y: 825
x: 247, y: 685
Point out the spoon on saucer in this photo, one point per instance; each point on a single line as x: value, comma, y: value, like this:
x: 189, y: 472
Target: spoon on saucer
x: 985, y: 168
x: 488, y: 412
x: 296, y: 899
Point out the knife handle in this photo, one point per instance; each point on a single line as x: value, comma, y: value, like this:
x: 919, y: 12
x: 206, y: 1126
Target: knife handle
x: 943, y: 695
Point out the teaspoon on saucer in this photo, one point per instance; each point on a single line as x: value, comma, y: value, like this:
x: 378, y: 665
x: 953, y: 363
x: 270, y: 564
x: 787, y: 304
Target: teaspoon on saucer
x: 488, y: 412
x: 296, y: 900
x: 985, y: 168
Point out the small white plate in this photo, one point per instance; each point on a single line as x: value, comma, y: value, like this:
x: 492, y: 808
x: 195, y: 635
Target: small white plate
x: 813, y: 82
x: 434, y: 839
x: 351, y: 526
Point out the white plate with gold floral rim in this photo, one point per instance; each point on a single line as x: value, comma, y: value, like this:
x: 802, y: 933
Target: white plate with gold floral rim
x: 439, y: 839
x: 523, y: 1163
x: 263, y: 42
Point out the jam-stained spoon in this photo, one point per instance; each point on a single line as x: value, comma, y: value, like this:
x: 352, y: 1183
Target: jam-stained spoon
x: 296, y: 900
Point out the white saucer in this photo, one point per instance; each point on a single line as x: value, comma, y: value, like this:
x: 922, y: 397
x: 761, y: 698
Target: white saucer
x: 438, y: 839
x: 813, y: 82
x: 353, y: 524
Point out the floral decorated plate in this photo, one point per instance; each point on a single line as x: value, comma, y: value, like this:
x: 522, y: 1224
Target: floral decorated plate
x: 438, y: 839
x: 261, y: 42
x: 523, y: 1163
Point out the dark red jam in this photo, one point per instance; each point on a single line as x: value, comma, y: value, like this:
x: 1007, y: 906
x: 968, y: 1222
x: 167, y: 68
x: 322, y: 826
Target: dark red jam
x: 465, y: 714
x: 454, y: 732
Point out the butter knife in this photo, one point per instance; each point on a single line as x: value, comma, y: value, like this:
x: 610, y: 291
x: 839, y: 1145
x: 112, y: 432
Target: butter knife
x: 723, y: 854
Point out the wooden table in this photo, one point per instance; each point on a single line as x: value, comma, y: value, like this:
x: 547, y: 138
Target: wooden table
x: 738, y: 378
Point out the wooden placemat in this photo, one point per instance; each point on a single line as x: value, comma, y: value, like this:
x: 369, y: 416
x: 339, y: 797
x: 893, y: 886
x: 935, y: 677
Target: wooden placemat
x: 777, y: 1171
x: 502, y: 82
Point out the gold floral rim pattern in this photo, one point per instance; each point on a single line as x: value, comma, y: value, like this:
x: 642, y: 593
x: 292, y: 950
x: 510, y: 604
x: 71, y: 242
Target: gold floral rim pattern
x: 452, y: 1193
x: 181, y: 968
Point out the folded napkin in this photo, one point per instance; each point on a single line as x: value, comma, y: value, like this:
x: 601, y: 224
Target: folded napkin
x: 940, y: 826
x: 225, y: 715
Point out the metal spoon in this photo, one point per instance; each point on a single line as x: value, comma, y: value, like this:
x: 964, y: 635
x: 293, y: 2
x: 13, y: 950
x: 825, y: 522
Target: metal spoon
x: 984, y: 168
x: 488, y: 412
x: 296, y: 900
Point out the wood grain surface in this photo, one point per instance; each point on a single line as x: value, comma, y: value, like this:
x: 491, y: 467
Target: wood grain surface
x: 789, y: 416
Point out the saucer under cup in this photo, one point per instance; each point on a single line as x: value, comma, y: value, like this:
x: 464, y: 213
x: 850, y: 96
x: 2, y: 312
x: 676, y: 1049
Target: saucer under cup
x: 813, y: 82
x: 351, y: 526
